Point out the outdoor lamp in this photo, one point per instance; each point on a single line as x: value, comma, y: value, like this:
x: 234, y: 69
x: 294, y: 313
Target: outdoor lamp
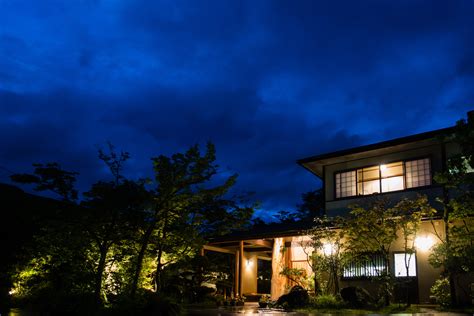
x: 424, y: 243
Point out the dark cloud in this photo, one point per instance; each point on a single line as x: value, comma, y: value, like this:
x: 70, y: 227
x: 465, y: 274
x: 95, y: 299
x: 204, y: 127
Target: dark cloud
x: 268, y: 82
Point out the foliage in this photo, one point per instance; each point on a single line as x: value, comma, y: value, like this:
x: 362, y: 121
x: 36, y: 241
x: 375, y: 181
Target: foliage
x: 357, y: 297
x: 265, y: 298
x: 326, y: 301
x: 124, y: 237
x: 374, y: 230
x: 325, y: 252
x: 50, y: 177
x: 296, y: 275
x: 455, y: 252
x: 312, y: 205
x: 186, y: 208
x: 441, y: 291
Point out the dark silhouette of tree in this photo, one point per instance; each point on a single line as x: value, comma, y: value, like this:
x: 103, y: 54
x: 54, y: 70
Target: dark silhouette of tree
x: 312, y: 205
x: 50, y: 177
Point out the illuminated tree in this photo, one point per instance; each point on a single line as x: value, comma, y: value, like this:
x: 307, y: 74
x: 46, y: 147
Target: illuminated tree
x: 455, y: 252
x: 325, y: 252
x: 187, y: 206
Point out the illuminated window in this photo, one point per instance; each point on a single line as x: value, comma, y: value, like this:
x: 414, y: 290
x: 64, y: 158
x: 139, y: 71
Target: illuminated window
x: 404, y: 262
x: 371, y: 266
x: 388, y: 177
x: 418, y: 173
x: 368, y: 180
x: 392, y: 176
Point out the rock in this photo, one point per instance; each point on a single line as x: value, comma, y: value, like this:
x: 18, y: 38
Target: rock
x: 356, y: 297
x: 297, y: 297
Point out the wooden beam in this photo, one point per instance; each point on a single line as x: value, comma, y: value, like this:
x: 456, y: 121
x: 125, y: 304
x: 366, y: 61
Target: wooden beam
x: 259, y: 249
x: 261, y: 242
x: 218, y: 249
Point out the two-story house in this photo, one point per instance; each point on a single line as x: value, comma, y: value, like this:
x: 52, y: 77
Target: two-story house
x: 393, y: 169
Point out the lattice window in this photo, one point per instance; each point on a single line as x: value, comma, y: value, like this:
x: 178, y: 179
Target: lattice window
x: 346, y: 184
x: 370, y: 266
x: 418, y: 173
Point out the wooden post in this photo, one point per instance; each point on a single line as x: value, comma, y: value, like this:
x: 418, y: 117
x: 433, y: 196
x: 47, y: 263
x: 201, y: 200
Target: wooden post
x: 236, y: 274
x: 242, y: 263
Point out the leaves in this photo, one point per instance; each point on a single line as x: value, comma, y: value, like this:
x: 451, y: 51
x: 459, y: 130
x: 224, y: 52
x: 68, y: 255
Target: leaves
x: 50, y: 177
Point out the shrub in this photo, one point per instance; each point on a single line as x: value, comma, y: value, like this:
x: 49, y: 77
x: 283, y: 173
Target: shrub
x: 146, y: 303
x: 327, y: 301
x: 356, y: 297
x: 441, y: 291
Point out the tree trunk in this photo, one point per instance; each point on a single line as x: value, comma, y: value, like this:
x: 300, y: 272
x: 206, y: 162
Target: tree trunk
x: 388, y: 279
x: 336, y: 279
x: 158, y: 274
x: 100, y: 273
x: 317, y: 287
x: 452, y: 284
x: 159, y: 265
x: 141, y: 256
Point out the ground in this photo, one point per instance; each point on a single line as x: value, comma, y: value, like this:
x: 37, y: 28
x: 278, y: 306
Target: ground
x: 252, y: 309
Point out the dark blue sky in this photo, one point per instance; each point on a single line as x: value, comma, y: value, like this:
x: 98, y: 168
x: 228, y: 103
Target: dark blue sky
x: 268, y: 82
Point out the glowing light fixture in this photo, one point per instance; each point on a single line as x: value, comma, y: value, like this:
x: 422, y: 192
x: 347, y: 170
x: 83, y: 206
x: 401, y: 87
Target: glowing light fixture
x: 12, y: 291
x: 383, y: 167
x: 249, y: 263
x: 424, y: 243
x: 328, y: 249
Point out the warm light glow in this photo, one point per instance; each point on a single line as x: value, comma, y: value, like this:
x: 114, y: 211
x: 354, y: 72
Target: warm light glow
x: 12, y: 291
x: 383, y: 167
x: 249, y: 263
x: 424, y: 243
x: 328, y: 249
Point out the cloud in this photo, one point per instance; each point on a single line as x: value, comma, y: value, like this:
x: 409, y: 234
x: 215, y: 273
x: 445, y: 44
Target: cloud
x: 268, y: 82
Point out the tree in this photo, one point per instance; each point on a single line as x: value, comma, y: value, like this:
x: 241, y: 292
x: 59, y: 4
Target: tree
x: 50, y: 177
x: 187, y: 206
x: 455, y: 252
x: 55, y: 267
x: 123, y: 234
x: 410, y: 213
x: 312, y: 206
x: 110, y: 212
x: 374, y: 229
x: 325, y: 252
x: 371, y: 231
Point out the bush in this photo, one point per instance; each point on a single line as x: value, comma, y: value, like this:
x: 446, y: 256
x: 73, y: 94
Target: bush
x: 357, y: 297
x: 298, y: 297
x: 146, y: 303
x: 327, y: 301
x: 49, y: 302
x: 441, y: 292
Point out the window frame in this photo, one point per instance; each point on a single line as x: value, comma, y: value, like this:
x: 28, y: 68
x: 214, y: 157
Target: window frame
x: 403, y: 161
x: 364, y: 277
x: 393, y: 265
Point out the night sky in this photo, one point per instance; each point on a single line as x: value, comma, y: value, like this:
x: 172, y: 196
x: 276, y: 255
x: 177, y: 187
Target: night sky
x: 268, y: 82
